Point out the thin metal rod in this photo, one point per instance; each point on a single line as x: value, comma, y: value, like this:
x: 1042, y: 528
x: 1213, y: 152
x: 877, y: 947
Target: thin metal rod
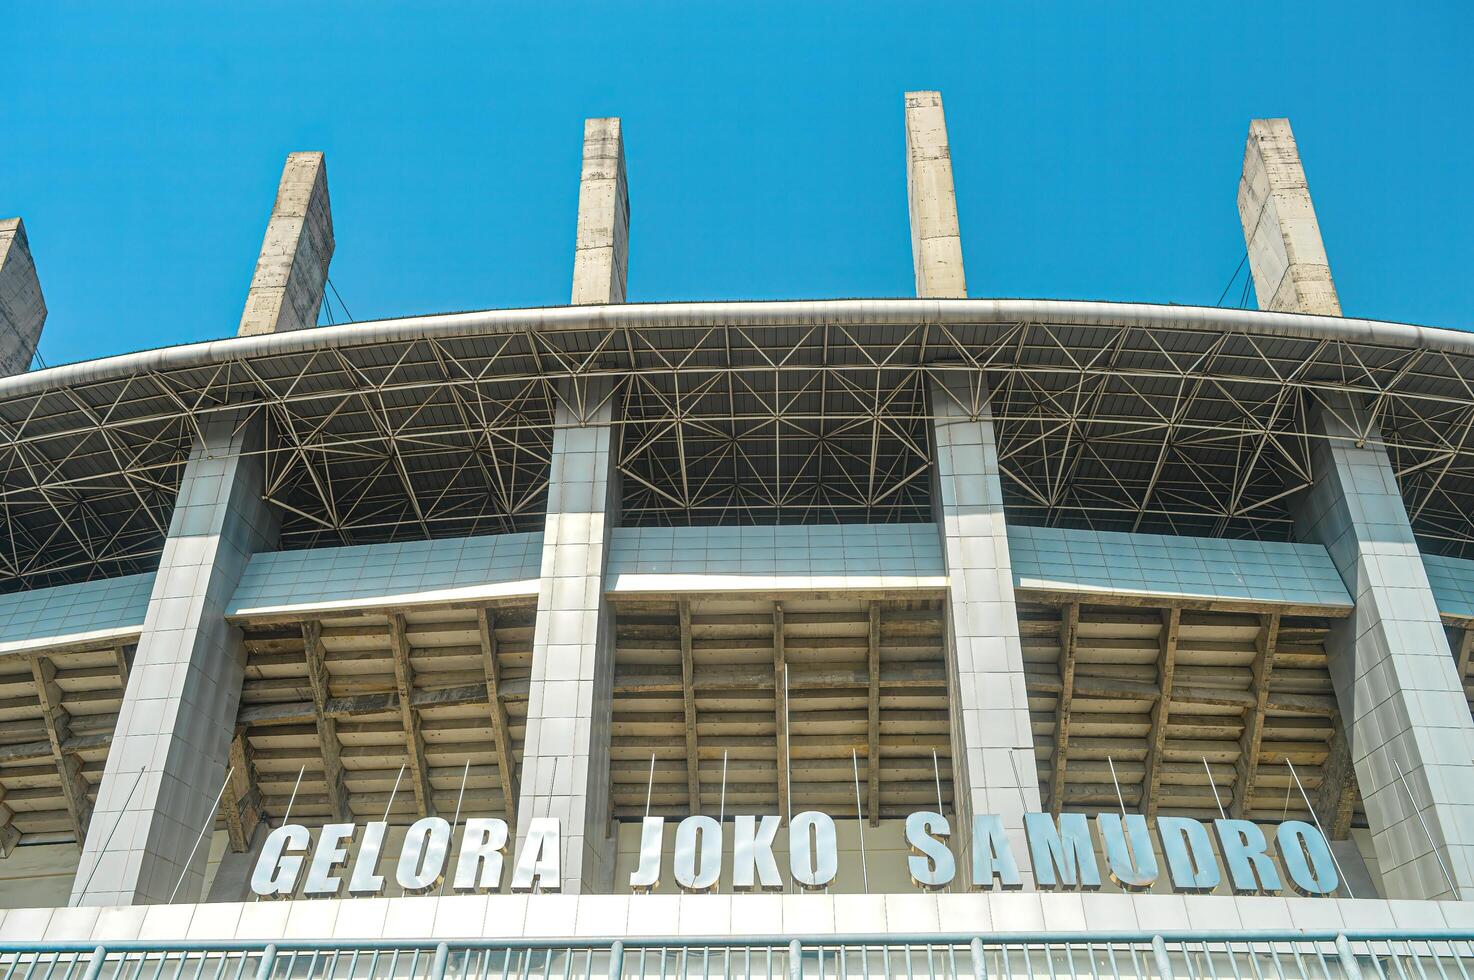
x: 208, y: 824
x: 388, y: 806
x: 116, y: 824
x: 788, y: 756
x: 1304, y: 796
x: 650, y: 786
x: 1215, y: 788
x: 722, y: 807
x: 936, y: 771
x: 1119, y: 798
x: 457, y: 820
x: 860, y: 821
x: 287, y: 817
x: 787, y: 744
x: 1428, y: 833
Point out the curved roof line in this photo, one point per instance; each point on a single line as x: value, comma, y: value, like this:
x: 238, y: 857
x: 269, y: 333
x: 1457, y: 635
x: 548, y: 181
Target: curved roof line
x: 879, y: 312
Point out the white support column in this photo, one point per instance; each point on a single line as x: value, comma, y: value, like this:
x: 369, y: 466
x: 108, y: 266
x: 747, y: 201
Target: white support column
x: 1401, y: 698
x: 993, y: 767
x: 565, y: 754
x: 1402, y: 703
x: 1286, y: 255
x: 22, y: 307
x: 601, y: 252
x: 936, y: 239
x: 172, y: 741
x: 178, y: 714
x: 286, y: 289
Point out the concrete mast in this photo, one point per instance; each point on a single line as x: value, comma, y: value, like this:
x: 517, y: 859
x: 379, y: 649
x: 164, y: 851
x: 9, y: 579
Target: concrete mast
x: 292, y: 270
x: 601, y: 252
x: 1286, y: 254
x: 936, y: 239
x: 22, y: 307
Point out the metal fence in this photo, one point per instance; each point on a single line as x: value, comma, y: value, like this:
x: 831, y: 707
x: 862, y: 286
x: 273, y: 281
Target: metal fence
x: 1211, y: 956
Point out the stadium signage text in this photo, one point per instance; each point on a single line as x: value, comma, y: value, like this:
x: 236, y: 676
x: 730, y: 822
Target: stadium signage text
x: 1061, y: 853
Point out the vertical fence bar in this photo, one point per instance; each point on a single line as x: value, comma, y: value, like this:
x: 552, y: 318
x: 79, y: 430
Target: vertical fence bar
x: 1163, y: 961
x: 437, y: 965
x: 795, y: 960
x: 268, y: 963
x: 979, y: 968
x: 1349, y: 966
x: 616, y: 960
x: 94, y: 968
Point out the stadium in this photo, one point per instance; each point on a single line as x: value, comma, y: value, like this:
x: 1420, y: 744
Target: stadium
x: 922, y: 636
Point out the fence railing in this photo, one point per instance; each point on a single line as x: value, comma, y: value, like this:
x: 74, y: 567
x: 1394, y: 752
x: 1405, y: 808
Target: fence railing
x: 1392, y: 955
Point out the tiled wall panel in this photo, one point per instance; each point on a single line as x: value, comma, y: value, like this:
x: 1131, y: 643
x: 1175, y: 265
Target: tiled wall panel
x: 105, y: 606
x: 1163, y: 565
x: 409, y: 571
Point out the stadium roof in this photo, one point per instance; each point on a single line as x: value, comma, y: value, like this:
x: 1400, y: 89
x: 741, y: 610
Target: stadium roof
x: 1113, y: 416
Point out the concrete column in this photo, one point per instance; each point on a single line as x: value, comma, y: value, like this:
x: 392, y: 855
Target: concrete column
x: 601, y: 253
x: 22, y: 307
x: 1286, y: 254
x: 936, y: 240
x: 1400, y: 696
x: 565, y: 756
x: 286, y: 290
x: 169, y: 750
x: 993, y: 768
x: 1401, y: 701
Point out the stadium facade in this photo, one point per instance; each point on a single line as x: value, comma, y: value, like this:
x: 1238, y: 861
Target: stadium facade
x: 907, y: 636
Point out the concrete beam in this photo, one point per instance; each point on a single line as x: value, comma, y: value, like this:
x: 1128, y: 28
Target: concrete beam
x: 1151, y: 786
x: 601, y: 252
x: 286, y: 290
x: 22, y: 307
x: 501, y: 729
x: 1286, y: 254
x: 936, y: 239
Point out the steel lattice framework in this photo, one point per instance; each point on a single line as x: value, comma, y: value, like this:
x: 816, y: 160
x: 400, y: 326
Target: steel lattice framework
x: 1164, y: 419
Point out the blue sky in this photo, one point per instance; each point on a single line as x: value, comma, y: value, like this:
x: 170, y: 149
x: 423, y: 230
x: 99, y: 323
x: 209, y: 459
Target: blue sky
x: 1096, y: 149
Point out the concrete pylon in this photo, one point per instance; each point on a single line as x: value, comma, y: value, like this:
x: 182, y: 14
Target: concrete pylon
x: 22, y: 307
x: 601, y: 252
x: 286, y: 290
x: 1286, y: 255
x: 1401, y: 699
x: 1403, y: 705
x: 936, y: 239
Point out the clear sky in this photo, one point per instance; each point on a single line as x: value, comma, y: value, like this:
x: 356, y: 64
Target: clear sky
x: 1096, y: 149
